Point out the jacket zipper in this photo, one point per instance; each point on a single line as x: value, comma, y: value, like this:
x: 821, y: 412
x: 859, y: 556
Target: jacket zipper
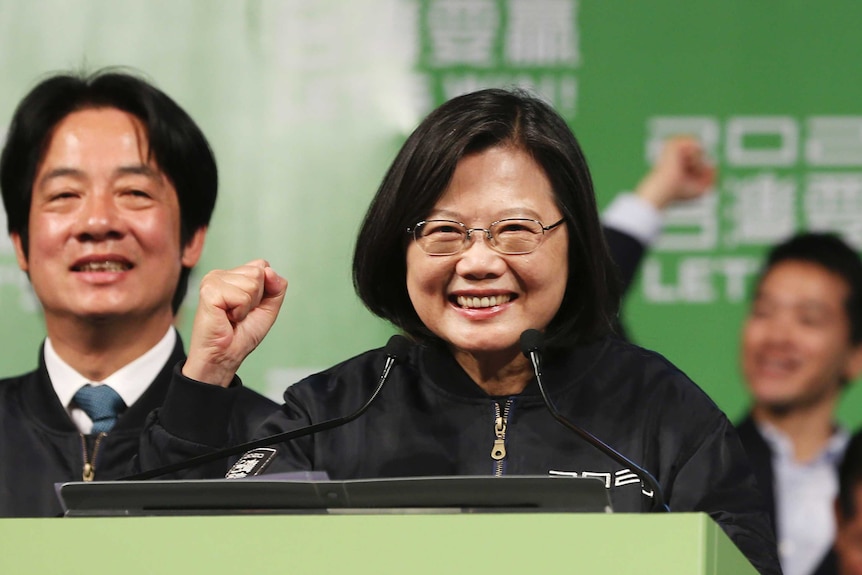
x: 89, y: 471
x: 498, y: 451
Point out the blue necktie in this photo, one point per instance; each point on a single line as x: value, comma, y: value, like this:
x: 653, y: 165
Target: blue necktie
x: 102, y: 404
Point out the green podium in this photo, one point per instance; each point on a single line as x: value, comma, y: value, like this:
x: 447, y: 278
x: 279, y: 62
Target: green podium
x: 438, y: 543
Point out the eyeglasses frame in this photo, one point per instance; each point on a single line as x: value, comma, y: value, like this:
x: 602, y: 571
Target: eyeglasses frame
x: 487, y: 231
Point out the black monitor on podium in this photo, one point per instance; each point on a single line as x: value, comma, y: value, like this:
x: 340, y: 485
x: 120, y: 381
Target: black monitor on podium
x: 307, y: 493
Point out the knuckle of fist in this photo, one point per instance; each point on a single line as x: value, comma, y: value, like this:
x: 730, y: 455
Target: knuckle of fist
x: 258, y: 274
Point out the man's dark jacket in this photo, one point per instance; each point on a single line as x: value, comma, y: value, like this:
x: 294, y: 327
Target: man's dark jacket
x: 760, y: 455
x: 40, y: 445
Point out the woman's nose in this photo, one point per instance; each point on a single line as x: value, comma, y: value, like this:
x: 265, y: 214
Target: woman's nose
x: 479, y: 259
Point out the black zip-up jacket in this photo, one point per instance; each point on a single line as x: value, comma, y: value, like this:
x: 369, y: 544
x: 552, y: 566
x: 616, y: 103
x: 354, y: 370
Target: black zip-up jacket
x: 40, y: 445
x: 431, y: 419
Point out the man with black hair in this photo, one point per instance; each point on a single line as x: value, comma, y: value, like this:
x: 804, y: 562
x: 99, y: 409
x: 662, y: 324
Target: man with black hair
x: 801, y: 346
x: 108, y: 187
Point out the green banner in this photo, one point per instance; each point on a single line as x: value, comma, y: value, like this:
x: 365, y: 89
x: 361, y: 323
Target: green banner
x: 306, y: 103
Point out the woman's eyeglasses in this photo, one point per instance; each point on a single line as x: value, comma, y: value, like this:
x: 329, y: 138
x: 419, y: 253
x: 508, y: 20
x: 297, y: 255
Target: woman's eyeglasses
x: 512, y: 236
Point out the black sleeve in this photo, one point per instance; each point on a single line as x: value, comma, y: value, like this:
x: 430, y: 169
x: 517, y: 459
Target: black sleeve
x: 715, y: 477
x: 197, y: 418
x: 297, y: 454
x: 627, y: 252
x: 760, y: 458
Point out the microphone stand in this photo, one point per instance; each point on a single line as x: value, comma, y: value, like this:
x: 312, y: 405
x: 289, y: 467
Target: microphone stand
x: 395, y: 349
x: 531, y: 344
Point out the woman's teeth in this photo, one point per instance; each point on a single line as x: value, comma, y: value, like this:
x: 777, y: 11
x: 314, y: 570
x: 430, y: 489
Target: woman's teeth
x: 487, y: 301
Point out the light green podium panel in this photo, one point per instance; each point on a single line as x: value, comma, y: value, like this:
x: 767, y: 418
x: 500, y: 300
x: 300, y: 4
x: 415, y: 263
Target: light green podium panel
x: 671, y: 544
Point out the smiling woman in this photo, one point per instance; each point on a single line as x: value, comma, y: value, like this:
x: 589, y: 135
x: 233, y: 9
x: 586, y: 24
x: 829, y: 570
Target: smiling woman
x: 480, y: 300
x: 484, y: 227
x: 518, y: 158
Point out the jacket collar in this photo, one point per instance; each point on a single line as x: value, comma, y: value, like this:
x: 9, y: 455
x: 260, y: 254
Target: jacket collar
x: 559, y: 372
x: 40, y: 398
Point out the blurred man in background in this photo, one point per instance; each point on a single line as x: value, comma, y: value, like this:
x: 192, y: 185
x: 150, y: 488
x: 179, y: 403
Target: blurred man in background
x: 801, y: 346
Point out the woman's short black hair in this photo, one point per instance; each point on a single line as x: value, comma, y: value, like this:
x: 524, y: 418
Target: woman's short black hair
x: 176, y: 144
x: 420, y: 175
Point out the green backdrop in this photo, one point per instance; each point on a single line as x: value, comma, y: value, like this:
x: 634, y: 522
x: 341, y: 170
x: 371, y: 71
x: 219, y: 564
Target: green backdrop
x: 306, y: 103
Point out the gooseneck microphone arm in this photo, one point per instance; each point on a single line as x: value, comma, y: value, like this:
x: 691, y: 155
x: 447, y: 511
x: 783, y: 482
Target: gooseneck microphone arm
x: 532, y: 343
x: 396, y: 348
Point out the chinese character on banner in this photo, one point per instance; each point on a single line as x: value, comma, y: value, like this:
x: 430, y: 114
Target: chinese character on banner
x: 542, y: 32
x: 762, y: 141
x: 833, y: 202
x: 834, y: 141
x: 690, y: 226
x: 463, y: 32
x: 763, y: 209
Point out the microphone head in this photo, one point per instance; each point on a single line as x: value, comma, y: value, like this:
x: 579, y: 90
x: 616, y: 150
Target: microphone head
x: 532, y: 340
x: 397, y: 347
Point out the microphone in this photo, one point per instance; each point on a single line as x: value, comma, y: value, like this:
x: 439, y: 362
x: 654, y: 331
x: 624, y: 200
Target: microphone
x: 532, y: 343
x: 396, y: 348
